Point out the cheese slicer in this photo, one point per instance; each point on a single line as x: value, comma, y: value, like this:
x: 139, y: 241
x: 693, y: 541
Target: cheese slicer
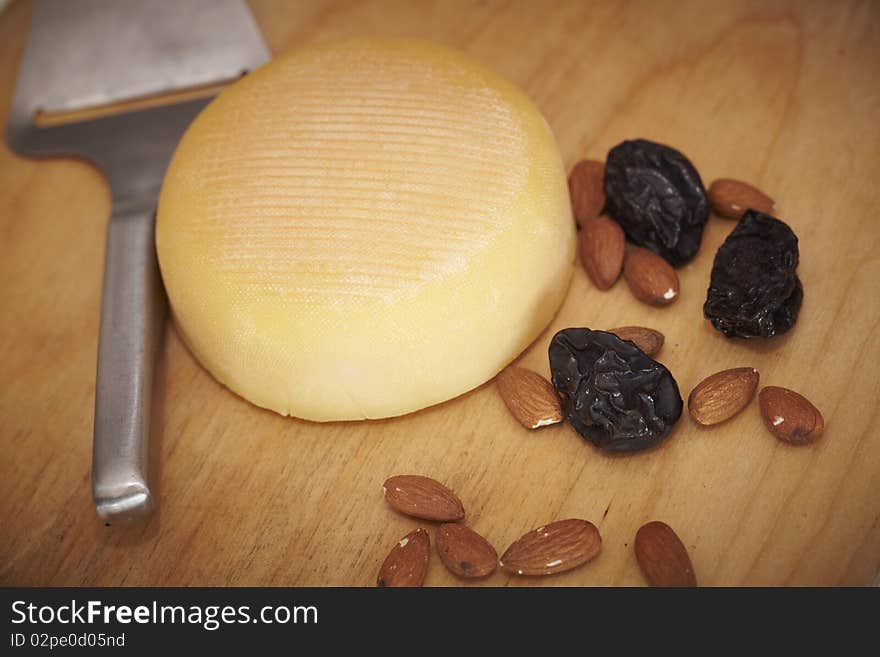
x: 117, y: 82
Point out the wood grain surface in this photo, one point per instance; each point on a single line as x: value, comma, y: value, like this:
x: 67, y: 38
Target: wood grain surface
x: 784, y: 95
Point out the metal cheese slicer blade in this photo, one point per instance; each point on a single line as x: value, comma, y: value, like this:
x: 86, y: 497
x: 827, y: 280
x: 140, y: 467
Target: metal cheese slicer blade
x: 117, y: 82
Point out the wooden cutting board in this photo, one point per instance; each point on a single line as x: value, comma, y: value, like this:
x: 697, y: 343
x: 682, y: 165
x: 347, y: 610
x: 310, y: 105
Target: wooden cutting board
x: 783, y: 95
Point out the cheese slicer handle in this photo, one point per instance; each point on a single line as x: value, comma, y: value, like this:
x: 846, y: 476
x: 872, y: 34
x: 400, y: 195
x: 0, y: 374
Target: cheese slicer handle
x: 132, y: 321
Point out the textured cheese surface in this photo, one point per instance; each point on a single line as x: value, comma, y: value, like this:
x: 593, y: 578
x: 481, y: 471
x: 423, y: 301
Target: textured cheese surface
x: 364, y: 228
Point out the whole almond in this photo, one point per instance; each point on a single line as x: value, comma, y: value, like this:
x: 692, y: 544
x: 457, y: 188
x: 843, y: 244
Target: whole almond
x: 407, y: 563
x: 722, y: 395
x: 464, y: 552
x: 790, y: 416
x: 422, y: 497
x: 646, y: 339
x: 662, y: 556
x: 553, y: 548
x: 602, y: 248
x: 731, y: 198
x: 530, y: 398
x: 650, y: 278
x: 586, y: 184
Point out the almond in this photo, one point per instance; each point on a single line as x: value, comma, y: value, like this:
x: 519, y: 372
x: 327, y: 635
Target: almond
x: 662, y: 556
x: 731, y: 198
x: 407, y: 563
x: 722, y: 395
x: 553, y: 548
x: 464, y: 552
x: 529, y: 397
x: 586, y: 184
x: 646, y: 339
x: 790, y: 416
x: 650, y: 278
x: 602, y: 249
x: 422, y: 497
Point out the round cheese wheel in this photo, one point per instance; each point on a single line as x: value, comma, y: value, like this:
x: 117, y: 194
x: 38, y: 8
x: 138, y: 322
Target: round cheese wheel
x: 364, y: 228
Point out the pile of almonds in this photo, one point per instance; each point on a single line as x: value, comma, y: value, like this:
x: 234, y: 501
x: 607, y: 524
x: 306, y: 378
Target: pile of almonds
x: 552, y: 548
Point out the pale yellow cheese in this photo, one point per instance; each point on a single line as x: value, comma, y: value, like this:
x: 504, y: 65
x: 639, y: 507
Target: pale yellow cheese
x: 364, y: 228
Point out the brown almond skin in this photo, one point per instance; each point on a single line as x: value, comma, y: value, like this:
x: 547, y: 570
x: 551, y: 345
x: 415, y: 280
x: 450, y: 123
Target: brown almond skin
x: 648, y: 340
x: 529, y: 397
x: 651, y: 279
x: 731, y: 198
x: 790, y: 416
x: 553, y: 548
x: 586, y: 185
x: 423, y: 497
x: 407, y: 563
x: 602, y: 249
x: 662, y: 556
x: 722, y: 395
x: 464, y: 552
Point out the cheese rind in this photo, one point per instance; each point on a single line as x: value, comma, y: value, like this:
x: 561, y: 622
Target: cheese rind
x: 361, y: 229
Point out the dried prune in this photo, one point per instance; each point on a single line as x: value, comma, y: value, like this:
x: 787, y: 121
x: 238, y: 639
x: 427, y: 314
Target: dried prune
x: 754, y: 289
x: 613, y: 394
x: 656, y: 194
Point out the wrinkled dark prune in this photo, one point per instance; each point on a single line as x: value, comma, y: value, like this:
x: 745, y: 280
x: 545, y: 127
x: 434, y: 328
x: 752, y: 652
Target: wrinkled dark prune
x: 612, y: 393
x: 656, y: 194
x: 755, y: 290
